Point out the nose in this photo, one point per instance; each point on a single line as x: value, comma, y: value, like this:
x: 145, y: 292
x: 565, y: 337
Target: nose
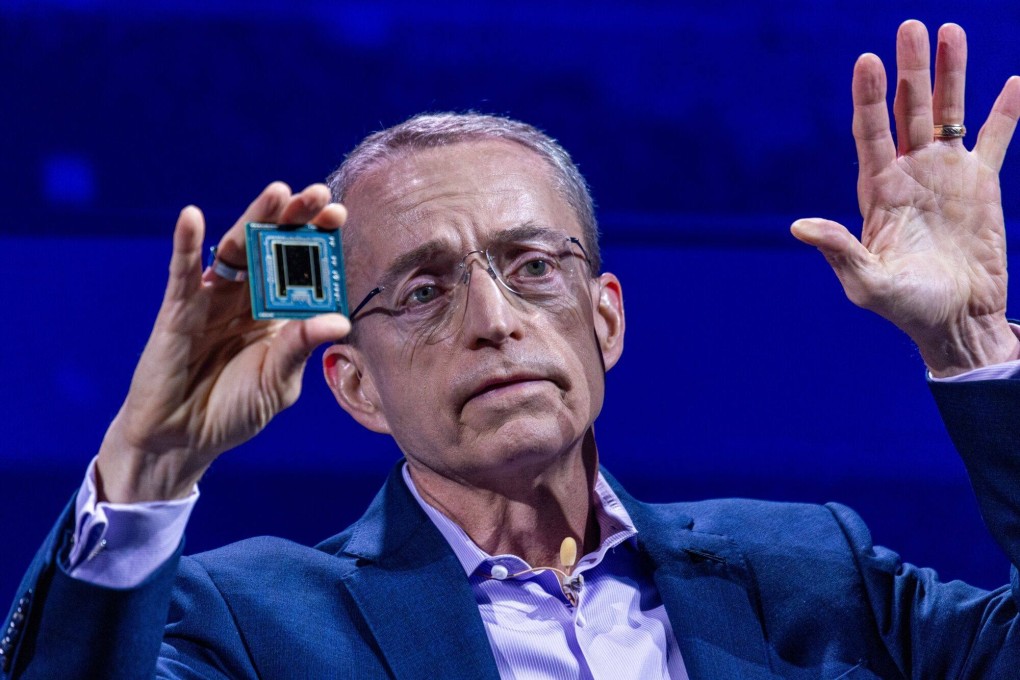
x: 490, y: 317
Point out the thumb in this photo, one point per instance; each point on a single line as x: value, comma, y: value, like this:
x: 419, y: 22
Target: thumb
x: 854, y: 265
x: 186, y: 260
x: 286, y: 358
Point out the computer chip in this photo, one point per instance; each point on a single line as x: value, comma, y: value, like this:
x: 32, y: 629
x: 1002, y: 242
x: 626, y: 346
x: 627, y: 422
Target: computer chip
x: 295, y: 271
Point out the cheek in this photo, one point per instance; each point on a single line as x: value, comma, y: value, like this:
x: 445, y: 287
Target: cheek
x: 409, y: 395
x: 399, y: 392
x: 583, y: 361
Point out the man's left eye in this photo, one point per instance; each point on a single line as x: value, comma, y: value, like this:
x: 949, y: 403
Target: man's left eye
x: 422, y: 295
x: 535, y: 268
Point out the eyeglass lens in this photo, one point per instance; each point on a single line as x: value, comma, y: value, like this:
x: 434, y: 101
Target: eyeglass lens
x: 540, y: 272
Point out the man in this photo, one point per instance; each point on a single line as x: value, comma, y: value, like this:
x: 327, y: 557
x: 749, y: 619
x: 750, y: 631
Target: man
x: 480, y: 344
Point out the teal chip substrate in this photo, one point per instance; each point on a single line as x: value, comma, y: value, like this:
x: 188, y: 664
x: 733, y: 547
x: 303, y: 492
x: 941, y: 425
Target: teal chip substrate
x: 295, y: 272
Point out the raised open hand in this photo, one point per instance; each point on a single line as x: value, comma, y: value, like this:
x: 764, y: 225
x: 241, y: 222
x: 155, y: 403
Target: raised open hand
x: 211, y: 377
x: 932, y: 252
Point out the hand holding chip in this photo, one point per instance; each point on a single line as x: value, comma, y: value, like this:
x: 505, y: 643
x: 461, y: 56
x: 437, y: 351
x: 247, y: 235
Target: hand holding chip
x: 211, y: 377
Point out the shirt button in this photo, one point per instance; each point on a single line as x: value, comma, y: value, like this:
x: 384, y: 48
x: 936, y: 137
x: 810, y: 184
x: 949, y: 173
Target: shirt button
x: 499, y: 572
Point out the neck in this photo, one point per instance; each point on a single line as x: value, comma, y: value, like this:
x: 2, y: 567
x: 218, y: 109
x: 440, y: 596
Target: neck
x: 524, y: 515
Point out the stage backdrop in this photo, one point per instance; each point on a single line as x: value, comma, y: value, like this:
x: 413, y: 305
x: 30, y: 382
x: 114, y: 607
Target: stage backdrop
x: 704, y: 128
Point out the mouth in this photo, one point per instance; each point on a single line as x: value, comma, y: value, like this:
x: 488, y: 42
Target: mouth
x: 504, y: 384
x: 508, y: 385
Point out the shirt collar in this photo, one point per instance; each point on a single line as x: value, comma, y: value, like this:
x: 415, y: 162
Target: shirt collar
x: 615, y: 527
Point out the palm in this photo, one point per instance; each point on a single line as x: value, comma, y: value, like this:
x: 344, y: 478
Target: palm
x: 205, y: 384
x: 933, y: 221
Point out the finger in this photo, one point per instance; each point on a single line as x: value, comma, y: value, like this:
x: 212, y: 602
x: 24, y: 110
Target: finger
x: 267, y: 207
x: 912, y: 105
x: 853, y: 264
x: 298, y: 208
x: 829, y: 236
x: 186, y: 261
x: 286, y: 359
x: 950, y: 76
x: 995, y: 134
x: 304, y: 206
x: 875, y: 148
x: 333, y: 216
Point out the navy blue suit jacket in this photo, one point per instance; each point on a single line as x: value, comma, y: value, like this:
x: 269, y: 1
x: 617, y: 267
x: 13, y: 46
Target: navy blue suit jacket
x: 752, y: 589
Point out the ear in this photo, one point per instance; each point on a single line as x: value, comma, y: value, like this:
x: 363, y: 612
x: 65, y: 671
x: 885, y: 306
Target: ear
x: 609, y: 319
x: 342, y: 365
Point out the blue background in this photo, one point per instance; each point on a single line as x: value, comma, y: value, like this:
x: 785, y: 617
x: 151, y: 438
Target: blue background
x: 704, y: 129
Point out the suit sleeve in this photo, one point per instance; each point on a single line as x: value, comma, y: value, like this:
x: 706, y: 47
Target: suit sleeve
x: 168, y: 626
x: 983, y: 420
x: 952, y: 630
x: 932, y: 629
x: 62, y: 627
x: 201, y: 638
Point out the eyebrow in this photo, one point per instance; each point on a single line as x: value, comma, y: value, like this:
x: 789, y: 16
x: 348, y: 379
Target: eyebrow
x: 416, y: 257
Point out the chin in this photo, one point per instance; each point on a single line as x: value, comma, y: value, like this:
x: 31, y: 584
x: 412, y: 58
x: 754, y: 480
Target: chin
x: 527, y: 444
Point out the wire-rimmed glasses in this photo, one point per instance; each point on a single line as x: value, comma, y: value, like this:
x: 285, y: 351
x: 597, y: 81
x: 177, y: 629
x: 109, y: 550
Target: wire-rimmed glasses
x: 534, y: 267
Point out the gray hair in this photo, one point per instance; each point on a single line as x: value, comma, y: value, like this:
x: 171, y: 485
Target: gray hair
x: 426, y: 131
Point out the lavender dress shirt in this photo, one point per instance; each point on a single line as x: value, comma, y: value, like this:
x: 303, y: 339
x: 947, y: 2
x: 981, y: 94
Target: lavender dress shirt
x: 617, y: 630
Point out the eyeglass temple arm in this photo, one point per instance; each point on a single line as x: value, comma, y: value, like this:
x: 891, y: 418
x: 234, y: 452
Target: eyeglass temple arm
x: 371, y: 294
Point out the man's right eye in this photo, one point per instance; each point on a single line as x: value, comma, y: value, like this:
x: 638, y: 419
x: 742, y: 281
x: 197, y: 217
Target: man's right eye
x: 423, y: 295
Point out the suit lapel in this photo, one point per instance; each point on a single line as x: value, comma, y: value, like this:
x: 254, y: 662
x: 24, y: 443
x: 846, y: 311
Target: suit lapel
x: 418, y: 604
x: 708, y: 590
x: 413, y: 593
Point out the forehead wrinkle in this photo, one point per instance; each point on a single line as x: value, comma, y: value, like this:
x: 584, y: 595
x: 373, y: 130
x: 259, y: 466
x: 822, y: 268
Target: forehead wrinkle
x: 408, y: 217
x: 526, y: 230
x: 414, y: 258
x: 456, y: 207
x: 407, y: 187
x: 414, y: 205
x: 434, y: 248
